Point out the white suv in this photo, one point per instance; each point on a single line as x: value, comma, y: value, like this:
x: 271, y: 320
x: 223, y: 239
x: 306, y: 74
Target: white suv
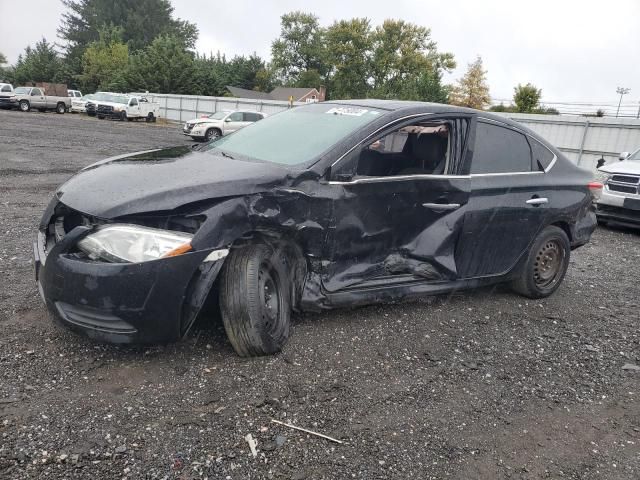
x: 620, y: 198
x: 218, y: 124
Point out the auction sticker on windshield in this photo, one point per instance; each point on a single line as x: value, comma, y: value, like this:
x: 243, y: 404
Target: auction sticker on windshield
x: 355, y: 112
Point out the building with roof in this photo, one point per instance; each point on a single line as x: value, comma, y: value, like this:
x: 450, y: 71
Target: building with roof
x: 285, y: 94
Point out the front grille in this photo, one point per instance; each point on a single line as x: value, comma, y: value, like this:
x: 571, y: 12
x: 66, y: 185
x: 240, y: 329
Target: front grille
x: 188, y: 127
x: 105, y: 109
x: 616, y: 187
x: 90, y: 107
x: 631, y: 179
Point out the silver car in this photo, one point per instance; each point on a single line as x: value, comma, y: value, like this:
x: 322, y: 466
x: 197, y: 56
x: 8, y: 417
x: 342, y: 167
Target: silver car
x: 620, y: 198
x: 217, y: 124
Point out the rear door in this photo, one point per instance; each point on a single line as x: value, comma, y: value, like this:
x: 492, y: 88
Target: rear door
x: 508, y: 204
x: 394, y: 219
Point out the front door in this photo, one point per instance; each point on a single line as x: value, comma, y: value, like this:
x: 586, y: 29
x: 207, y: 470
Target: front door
x: 134, y: 108
x: 507, y: 206
x: 233, y: 122
x: 399, y: 207
x: 37, y: 99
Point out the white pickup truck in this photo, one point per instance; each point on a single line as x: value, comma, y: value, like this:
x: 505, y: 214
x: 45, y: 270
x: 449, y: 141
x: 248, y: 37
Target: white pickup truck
x: 34, y: 97
x: 126, y: 107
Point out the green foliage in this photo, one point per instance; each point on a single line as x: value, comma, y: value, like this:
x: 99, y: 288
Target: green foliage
x: 140, y: 21
x: 39, y: 64
x: 213, y: 74
x: 526, y: 98
x: 349, y: 45
x: 165, y: 66
x: 103, y: 61
x: 395, y: 60
x: 299, y: 48
x: 472, y: 90
x: 3, y: 59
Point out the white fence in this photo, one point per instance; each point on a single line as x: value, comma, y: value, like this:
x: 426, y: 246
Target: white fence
x: 180, y: 108
x: 583, y: 139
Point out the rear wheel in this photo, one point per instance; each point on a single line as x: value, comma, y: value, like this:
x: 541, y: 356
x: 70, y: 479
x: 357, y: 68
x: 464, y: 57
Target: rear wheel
x: 25, y: 106
x: 255, y: 300
x: 545, y: 265
x: 150, y: 117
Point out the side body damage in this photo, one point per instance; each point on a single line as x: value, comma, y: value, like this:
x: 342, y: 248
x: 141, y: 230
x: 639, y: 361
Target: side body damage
x: 348, y: 239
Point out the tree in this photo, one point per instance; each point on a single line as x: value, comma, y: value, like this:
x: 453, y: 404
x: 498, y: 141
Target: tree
x: 526, y: 98
x: 140, y: 21
x: 472, y: 90
x: 402, y: 52
x: 3, y: 59
x: 39, y: 64
x: 349, y: 46
x: 165, y: 66
x: 104, y: 60
x: 300, y: 47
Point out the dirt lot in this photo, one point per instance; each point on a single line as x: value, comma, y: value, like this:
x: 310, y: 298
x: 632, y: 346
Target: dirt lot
x: 481, y: 385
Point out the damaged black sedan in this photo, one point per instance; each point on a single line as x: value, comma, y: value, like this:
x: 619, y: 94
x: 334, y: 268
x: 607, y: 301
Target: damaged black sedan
x: 322, y: 206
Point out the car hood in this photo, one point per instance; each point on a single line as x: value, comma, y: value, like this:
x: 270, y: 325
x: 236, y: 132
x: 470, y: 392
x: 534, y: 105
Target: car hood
x: 627, y: 166
x: 163, y: 180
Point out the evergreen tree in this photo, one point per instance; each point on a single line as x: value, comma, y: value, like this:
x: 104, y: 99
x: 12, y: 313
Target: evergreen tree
x: 472, y: 89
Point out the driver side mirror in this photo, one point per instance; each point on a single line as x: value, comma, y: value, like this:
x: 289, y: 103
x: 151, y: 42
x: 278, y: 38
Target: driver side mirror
x: 624, y: 156
x: 227, y: 120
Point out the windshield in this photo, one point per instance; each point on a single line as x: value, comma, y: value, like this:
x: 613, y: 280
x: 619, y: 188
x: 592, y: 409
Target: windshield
x: 298, y: 135
x: 218, y: 115
x: 90, y: 96
x: 115, y: 98
x: 635, y: 156
x: 22, y: 90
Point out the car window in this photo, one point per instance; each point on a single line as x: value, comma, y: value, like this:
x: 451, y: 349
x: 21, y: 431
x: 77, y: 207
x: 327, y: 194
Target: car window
x: 500, y: 150
x: 251, y: 117
x: 6, y: 88
x: 420, y: 149
x: 298, y: 135
x: 235, y: 117
x: 35, y: 92
x: 542, y: 156
x: 133, y: 102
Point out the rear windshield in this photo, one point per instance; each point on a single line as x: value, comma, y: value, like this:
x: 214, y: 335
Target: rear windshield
x: 298, y: 135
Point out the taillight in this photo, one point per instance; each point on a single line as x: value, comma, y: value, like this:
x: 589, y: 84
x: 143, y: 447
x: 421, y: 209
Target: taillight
x: 596, y: 190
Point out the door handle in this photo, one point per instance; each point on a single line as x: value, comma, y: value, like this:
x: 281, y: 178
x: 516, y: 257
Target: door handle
x: 441, y: 207
x: 537, y: 201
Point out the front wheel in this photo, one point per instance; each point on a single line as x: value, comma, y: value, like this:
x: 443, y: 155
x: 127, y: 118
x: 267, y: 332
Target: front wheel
x: 61, y: 108
x: 25, y: 106
x: 255, y: 300
x: 545, y: 265
x: 123, y: 116
x: 212, y: 134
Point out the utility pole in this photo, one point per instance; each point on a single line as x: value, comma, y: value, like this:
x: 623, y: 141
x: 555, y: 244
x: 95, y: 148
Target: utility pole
x: 621, y: 91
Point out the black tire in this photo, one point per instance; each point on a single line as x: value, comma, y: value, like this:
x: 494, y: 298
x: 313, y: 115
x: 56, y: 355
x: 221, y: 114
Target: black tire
x: 150, y: 117
x: 545, y: 265
x: 123, y: 116
x: 101, y: 117
x: 602, y: 222
x: 212, y: 134
x: 24, y: 105
x: 61, y: 108
x: 255, y: 300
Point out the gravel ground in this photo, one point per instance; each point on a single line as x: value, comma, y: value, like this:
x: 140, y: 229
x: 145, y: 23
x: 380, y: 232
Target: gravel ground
x: 484, y: 384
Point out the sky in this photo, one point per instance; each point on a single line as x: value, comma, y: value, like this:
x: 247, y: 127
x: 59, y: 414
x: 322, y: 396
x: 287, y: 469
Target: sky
x: 575, y: 51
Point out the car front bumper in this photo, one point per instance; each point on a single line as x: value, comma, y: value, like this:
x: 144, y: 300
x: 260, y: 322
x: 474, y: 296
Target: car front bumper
x: 8, y: 102
x: 117, y: 303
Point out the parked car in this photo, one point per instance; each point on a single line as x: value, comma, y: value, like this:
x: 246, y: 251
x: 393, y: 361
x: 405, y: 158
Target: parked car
x: 620, y: 198
x: 79, y: 105
x: 7, y: 96
x: 218, y: 124
x: 35, y: 97
x: 324, y: 205
x: 74, y: 93
x: 126, y: 107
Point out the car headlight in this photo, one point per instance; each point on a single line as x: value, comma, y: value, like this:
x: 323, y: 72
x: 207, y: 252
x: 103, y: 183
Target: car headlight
x: 127, y: 243
x: 117, y: 109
